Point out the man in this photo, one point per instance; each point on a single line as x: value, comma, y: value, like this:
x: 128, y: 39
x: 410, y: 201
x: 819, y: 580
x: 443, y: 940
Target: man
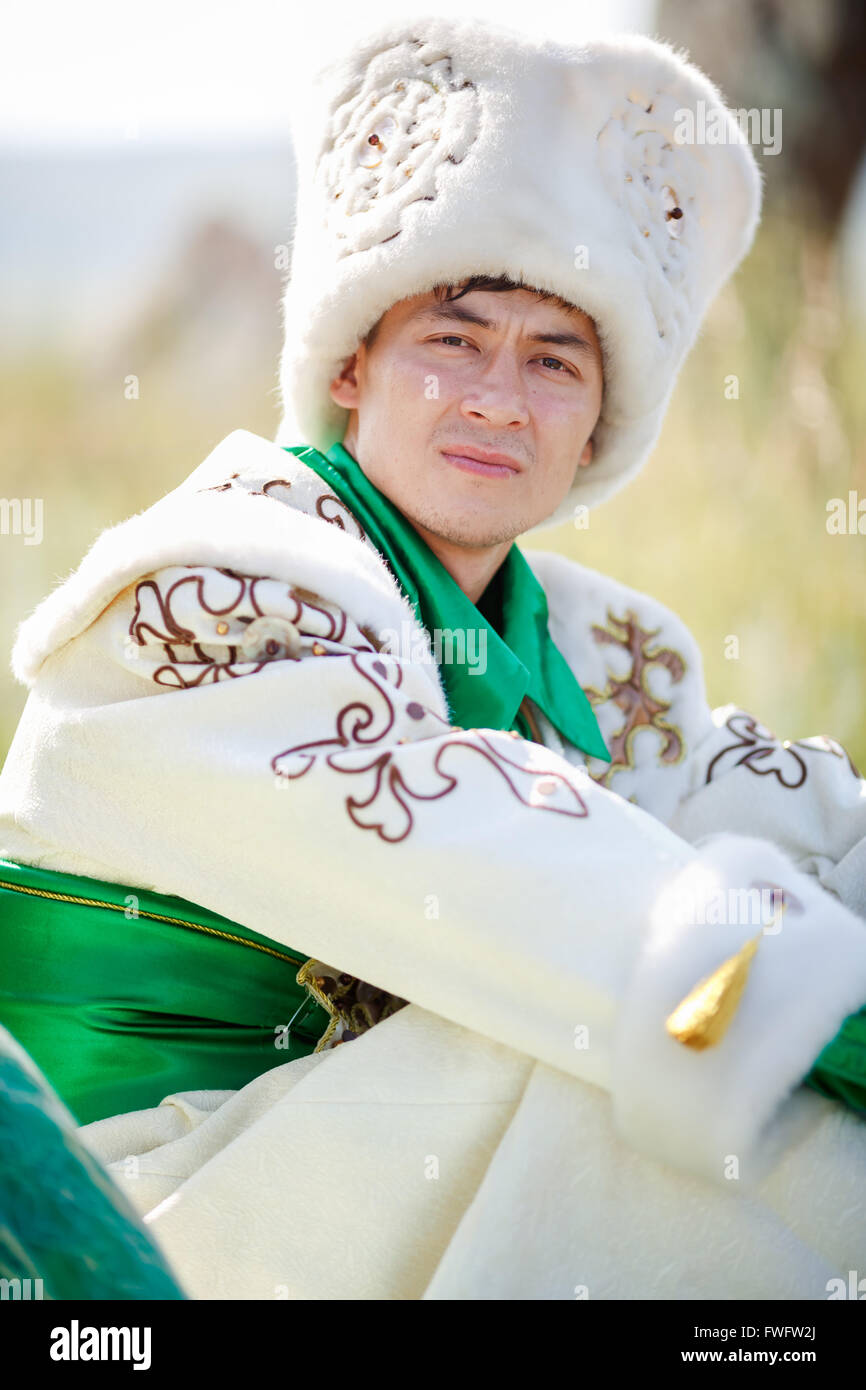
x: 478, y: 795
x: 525, y: 385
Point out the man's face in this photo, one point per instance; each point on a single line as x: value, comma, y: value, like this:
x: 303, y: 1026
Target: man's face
x: 497, y: 372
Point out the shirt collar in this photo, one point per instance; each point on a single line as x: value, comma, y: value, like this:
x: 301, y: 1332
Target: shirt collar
x: 486, y: 673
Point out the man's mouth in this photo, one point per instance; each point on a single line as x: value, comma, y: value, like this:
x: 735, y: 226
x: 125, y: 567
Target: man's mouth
x: 482, y: 461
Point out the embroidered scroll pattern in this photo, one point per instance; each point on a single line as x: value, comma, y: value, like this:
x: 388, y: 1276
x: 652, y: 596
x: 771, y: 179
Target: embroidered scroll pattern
x: 209, y: 636
x: 328, y: 505
x: 274, y: 487
x: 757, y: 748
x: 383, y: 796
x: 631, y: 694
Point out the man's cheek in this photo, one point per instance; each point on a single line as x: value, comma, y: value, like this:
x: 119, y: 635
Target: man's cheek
x: 434, y: 383
x: 406, y: 383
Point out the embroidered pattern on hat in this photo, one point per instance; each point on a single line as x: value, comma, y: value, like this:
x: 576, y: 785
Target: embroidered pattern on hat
x: 652, y: 178
x: 406, y: 118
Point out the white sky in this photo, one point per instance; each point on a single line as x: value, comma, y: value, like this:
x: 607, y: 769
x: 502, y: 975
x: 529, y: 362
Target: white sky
x: 105, y: 71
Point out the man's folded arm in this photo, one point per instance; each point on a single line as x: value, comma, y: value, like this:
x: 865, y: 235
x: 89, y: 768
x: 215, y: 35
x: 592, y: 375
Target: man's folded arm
x: 263, y: 757
x: 280, y: 768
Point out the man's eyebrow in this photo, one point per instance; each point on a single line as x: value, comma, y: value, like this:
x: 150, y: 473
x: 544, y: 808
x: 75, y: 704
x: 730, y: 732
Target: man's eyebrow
x: 459, y: 312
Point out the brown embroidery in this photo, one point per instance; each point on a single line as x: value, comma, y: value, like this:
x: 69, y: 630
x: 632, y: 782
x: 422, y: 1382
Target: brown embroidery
x: 267, y: 488
x: 244, y: 486
x: 336, y: 617
x: 329, y: 507
x: 174, y: 677
x: 342, y: 517
x: 202, y: 668
x: 385, y: 808
x: 641, y: 708
x: 758, y: 744
x: 373, y: 639
x: 220, y: 487
x: 170, y: 628
x: 763, y: 753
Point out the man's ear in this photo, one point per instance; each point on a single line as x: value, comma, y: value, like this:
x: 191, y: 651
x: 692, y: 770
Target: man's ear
x: 586, y: 455
x: 344, y: 388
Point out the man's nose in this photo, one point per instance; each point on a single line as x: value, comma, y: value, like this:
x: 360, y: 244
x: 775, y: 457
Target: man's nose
x: 497, y: 394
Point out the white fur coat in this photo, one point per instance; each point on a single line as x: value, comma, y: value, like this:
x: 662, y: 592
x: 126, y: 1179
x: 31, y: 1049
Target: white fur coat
x: 220, y: 709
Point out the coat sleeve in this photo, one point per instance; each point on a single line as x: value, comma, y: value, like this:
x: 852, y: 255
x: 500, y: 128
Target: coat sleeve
x: 805, y: 795
x: 242, y: 743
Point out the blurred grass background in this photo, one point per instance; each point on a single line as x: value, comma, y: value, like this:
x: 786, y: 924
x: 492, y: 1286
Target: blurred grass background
x: 727, y: 524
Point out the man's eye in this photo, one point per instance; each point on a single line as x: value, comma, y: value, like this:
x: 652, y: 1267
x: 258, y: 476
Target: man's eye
x: 457, y: 339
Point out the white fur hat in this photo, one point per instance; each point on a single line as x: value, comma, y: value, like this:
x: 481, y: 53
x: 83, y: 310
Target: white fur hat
x: 562, y: 167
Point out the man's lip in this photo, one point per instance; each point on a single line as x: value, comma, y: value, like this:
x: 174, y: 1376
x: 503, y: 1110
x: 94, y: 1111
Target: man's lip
x: 484, y: 456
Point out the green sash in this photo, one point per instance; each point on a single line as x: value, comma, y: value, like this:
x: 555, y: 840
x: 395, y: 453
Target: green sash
x: 122, y: 997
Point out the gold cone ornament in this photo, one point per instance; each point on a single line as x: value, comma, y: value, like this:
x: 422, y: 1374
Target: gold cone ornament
x: 706, y: 1013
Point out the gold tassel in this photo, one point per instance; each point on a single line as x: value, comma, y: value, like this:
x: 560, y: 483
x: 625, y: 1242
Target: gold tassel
x: 312, y: 979
x: 706, y: 1013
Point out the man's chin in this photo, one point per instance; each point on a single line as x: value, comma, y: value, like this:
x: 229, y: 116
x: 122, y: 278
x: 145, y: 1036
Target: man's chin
x: 473, y: 533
